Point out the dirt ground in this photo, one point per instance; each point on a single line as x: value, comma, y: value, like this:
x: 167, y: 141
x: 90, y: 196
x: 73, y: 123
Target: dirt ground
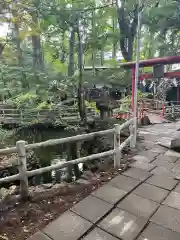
x: 19, y: 220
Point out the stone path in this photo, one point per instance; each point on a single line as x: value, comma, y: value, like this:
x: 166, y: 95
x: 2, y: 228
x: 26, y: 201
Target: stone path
x: 142, y: 203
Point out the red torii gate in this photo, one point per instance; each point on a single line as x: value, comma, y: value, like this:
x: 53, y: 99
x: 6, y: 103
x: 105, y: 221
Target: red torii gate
x: 144, y: 63
x: 150, y: 63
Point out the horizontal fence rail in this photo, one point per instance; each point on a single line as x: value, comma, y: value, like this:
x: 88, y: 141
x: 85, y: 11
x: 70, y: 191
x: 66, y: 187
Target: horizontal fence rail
x: 27, y: 116
x: 21, y: 148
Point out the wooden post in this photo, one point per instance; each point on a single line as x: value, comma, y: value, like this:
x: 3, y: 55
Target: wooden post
x: 131, y: 130
x: 117, y: 155
x: 77, y: 171
x: 20, y: 145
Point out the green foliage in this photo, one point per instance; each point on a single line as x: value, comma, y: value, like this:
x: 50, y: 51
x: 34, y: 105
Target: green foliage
x: 44, y: 105
x: 92, y: 105
x: 5, y: 136
x: 26, y: 100
x: 125, y: 103
x: 39, y: 60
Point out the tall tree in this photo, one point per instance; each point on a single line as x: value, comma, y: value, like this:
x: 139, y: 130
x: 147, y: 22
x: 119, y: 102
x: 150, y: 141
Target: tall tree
x: 127, y: 20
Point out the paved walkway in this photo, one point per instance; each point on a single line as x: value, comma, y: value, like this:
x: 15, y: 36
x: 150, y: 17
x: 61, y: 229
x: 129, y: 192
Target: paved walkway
x: 142, y: 203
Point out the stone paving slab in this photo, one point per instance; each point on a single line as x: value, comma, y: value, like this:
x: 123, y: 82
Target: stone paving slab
x: 137, y: 173
x: 92, y: 208
x: 151, y: 192
x: 125, y: 183
x: 148, y: 144
x: 177, y: 188
x: 163, y: 172
x: 122, y: 224
x: 141, y: 158
x: 98, y: 234
x: 167, y: 217
x: 167, y: 158
x: 173, y: 200
x: 177, y: 177
x: 163, y: 182
x: 143, y: 238
x: 158, y: 149
x: 172, y: 153
x: 178, y: 161
x: 143, y: 165
x: 166, y: 142
x: 39, y: 236
x: 109, y: 193
x: 138, y: 206
x: 176, y: 169
x: 155, y: 232
x: 149, y: 154
x: 162, y: 163
x: 69, y: 226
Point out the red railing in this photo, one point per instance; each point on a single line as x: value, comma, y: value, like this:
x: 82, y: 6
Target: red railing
x: 145, y: 107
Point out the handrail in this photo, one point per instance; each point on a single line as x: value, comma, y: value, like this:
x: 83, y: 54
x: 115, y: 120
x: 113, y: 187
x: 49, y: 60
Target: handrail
x: 21, y: 148
x: 27, y: 116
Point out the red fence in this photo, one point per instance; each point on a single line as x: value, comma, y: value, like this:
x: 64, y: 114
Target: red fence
x: 145, y: 107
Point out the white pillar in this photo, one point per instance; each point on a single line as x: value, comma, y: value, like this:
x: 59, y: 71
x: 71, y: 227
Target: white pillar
x: 136, y: 78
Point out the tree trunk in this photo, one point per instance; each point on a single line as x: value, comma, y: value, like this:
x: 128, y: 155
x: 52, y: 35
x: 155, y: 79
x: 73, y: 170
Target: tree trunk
x: 63, y: 50
x: 16, y: 33
x: 36, y: 44
x: 114, y: 47
x: 71, y: 52
x: 18, y: 44
x: 127, y: 30
x: 162, y: 49
x: 102, y: 57
x: 81, y: 99
x: 93, y: 48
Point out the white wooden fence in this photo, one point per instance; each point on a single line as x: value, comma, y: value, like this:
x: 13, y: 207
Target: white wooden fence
x: 21, y: 148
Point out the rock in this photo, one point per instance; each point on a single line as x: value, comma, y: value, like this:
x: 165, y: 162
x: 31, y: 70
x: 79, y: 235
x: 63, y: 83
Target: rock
x: 145, y: 121
x: 4, y: 192
x: 8, y: 165
x: 59, y: 185
x: 37, y: 189
x: 47, y: 185
x: 175, y: 143
x: 82, y: 181
x: 12, y: 189
x: 87, y: 175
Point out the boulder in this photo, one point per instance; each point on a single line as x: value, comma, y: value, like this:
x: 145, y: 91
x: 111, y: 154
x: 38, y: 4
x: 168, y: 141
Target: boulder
x: 171, y: 143
x: 175, y: 142
x: 145, y: 121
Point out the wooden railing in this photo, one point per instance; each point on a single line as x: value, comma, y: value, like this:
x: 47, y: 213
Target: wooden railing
x: 28, y: 116
x: 21, y: 148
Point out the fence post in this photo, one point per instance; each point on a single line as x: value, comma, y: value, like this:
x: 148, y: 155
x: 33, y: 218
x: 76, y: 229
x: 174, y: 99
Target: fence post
x: 131, y: 130
x: 117, y: 155
x: 20, y: 145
